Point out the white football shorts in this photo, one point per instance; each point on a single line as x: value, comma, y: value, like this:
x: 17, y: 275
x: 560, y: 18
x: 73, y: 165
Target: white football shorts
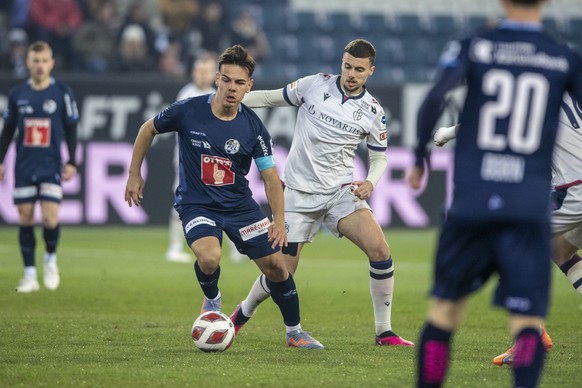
x: 567, y: 220
x: 305, y: 213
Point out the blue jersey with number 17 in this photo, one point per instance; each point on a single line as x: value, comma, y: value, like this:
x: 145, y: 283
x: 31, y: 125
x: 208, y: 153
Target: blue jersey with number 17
x: 214, y: 154
x: 516, y: 76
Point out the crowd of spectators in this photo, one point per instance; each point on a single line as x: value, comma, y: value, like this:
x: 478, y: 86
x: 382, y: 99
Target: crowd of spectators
x: 125, y: 36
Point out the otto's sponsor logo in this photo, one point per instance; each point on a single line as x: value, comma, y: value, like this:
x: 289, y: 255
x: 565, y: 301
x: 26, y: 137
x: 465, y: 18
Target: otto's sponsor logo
x: 384, y: 135
x: 216, y: 171
x: 37, y: 132
x: 255, y: 229
x: 198, y: 221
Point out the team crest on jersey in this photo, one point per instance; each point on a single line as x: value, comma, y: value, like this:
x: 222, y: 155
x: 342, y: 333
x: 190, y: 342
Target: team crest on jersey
x: 37, y: 132
x: 49, y: 106
x: 216, y: 171
x: 358, y: 114
x: 232, y: 146
x: 311, y: 109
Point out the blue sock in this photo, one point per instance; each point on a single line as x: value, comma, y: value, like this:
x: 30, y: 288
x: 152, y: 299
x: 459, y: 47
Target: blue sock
x: 284, y: 294
x: 208, y: 283
x: 528, y: 358
x: 27, y: 244
x: 433, y: 356
x: 51, y: 238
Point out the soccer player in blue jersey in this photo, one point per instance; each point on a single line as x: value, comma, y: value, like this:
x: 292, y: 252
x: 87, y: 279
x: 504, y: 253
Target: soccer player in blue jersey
x: 499, y: 219
x: 217, y: 138
x: 44, y: 111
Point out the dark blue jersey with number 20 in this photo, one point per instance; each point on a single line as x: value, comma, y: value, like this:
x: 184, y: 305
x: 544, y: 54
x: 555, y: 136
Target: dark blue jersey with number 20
x: 215, y: 155
x: 516, y: 76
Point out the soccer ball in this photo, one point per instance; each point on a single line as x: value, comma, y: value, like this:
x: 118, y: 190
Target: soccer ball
x: 213, y: 331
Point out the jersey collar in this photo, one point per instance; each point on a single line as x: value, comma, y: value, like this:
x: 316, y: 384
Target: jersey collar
x: 345, y: 97
x: 212, y: 95
x: 524, y: 26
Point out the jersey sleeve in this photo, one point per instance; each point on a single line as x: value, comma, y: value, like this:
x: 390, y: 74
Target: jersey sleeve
x: 71, y: 112
x: 263, y: 151
x: 453, y: 65
x: 296, y: 90
x: 378, y: 137
x: 167, y: 119
x: 10, y: 115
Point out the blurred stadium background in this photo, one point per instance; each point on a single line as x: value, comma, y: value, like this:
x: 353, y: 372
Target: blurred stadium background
x: 127, y: 59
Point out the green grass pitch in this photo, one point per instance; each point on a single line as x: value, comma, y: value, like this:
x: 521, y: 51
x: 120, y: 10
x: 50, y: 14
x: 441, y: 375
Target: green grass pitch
x: 122, y: 317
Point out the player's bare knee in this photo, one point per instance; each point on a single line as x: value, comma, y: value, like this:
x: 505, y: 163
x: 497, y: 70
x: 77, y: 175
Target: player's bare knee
x: 381, y: 252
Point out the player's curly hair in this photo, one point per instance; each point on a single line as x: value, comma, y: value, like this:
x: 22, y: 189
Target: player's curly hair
x: 237, y: 55
x: 361, y: 48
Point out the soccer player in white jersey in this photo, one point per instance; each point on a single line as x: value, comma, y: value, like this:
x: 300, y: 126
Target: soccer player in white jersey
x: 336, y: 113
x: 567, y: 196
x: 203, y: 74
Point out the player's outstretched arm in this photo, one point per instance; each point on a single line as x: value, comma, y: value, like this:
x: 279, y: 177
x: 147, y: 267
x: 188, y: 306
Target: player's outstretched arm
x: 274, y: 191
x: 135, y: 182
x: 265, y: 98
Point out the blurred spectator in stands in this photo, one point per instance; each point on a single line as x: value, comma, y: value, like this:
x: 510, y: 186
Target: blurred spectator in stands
x: 14, y: 60
x: 246, y: 31
x: 213, y: 25
x: 18, y: 13
x: 55, y: 21
x: 95, y: 41
x: 178, y: 15
x: 170, y: 64
x: 134, y: 55
x: 136, y: 14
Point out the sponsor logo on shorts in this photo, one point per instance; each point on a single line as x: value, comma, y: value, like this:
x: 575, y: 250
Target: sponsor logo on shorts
x: 199, y: 221
x: 255, y: 229
x: 384, y: 135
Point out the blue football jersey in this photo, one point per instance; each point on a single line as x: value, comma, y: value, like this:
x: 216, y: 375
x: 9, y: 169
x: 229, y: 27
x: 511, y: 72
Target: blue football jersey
x: 40, y: 117
x: 516, y: 76
x: 215, y: 155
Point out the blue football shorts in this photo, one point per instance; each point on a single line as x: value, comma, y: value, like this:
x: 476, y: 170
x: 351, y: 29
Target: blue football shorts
x: 469, y: 252
x: 247, y: 227
x: 30, y: 188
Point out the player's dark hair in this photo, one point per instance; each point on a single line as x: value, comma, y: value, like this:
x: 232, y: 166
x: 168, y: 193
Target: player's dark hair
x: 38, y: 46
x: 361, y: 48
x: 237, y: 55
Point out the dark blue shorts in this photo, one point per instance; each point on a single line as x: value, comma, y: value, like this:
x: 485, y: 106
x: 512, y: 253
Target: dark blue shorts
x: 30, y: 188
x: 247, y: 228
x: 469, y: 252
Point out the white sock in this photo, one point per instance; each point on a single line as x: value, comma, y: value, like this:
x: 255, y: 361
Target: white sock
x: 30, y: 272
x: 50, y: 257
x: 381, y: 291
x: 176, y: 234
x: 289, y: 329
x: 258, y: 293
x: 575, y: 276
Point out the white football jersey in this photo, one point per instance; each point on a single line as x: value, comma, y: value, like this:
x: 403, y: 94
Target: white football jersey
x: 567, y: 159
x: 191, y: 90
x: 329, y: 128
